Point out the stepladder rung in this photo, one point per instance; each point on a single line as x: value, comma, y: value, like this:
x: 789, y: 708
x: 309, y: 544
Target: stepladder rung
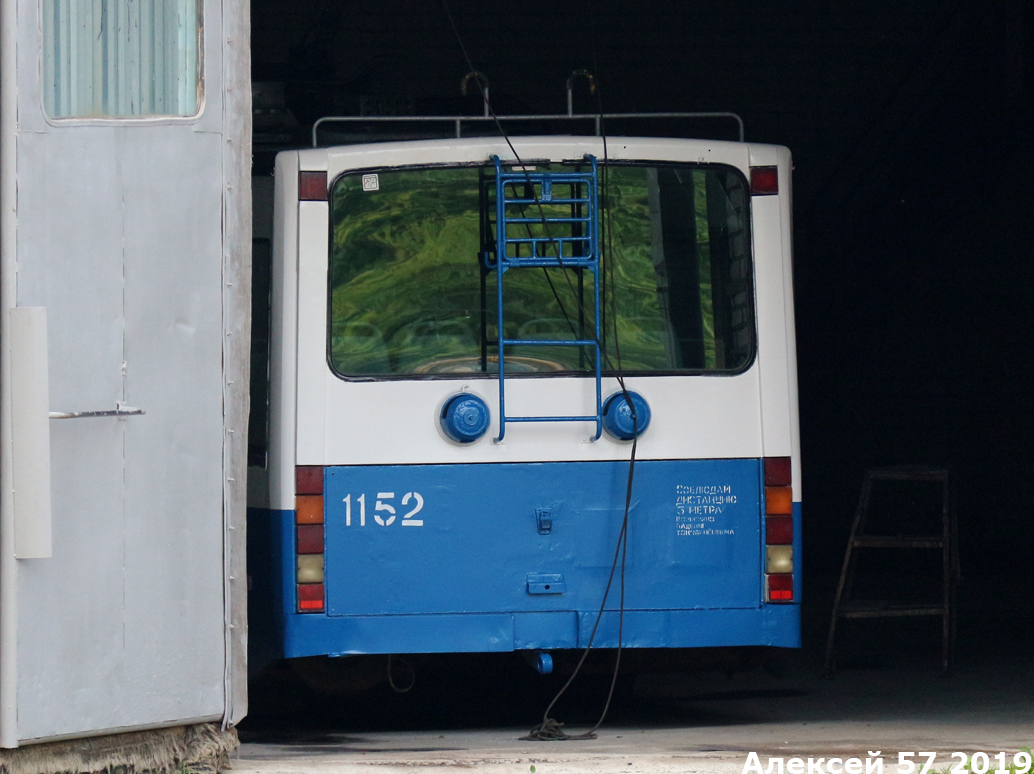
x: 858, y: 609
x: 879, y: 541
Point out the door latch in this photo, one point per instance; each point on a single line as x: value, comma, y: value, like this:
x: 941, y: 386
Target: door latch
x: 544, y: 519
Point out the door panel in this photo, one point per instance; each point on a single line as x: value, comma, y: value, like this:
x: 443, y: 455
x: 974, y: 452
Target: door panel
x: 173, y: 483
x: 122, y: 237
x: 73, y: 266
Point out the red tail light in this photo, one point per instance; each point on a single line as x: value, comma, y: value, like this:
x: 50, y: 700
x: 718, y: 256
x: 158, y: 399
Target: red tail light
x: 764, y: 181
x: 780, y: 588
x: 777, y: 471
x: 310, y: 597
x: 310, y: 539
x: 779, y: 530
x: 308, y: 480
x: 312, y: 186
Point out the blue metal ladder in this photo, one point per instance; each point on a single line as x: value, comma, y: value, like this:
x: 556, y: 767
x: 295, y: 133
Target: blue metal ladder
x: 520, y: 246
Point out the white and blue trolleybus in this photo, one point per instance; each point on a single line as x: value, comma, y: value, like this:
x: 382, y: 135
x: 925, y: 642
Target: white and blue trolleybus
x: 449, y: 440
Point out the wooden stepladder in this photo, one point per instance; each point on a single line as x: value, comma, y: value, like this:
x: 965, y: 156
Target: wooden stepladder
x: 945, y: 541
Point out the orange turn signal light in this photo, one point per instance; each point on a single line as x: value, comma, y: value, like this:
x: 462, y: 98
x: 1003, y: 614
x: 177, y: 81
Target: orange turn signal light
x: 778, y: 500
x: 308, y: 509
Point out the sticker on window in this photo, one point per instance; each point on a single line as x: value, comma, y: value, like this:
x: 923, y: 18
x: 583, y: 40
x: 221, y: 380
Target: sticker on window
x: 371, y: 183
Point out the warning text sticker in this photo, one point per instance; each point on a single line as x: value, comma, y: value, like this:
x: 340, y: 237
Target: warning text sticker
x: 700, y: 509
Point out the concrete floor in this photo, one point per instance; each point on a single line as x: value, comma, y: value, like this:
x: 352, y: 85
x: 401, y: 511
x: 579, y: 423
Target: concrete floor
x: 888, y: 696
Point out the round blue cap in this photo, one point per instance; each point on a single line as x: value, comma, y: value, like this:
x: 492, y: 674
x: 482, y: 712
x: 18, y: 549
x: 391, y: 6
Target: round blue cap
x: 617, y: 415
x: 464, y: 418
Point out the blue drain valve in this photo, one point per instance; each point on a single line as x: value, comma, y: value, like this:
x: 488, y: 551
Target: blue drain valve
x: 464, y: 417
x: 541, y: 661
x: 617, y: 415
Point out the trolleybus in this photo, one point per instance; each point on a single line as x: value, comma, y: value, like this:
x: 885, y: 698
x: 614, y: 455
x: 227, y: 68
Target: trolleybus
x: 452, y: 322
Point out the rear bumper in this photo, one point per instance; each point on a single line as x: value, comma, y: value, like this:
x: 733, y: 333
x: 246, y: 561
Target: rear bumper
x: 312, y: 635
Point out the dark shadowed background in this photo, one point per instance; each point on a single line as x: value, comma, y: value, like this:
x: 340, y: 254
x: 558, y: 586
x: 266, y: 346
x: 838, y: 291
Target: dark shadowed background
x: 910, y: 125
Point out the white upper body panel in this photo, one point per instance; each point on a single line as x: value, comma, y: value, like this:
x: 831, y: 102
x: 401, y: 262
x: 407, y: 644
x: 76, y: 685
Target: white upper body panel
x: 394, y: 420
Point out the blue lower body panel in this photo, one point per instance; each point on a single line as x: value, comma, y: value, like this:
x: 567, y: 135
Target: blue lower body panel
x: 314, y: 635
x: 498, y: 557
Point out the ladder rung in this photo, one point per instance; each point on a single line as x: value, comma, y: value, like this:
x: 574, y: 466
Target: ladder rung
x: 538, y: 256
x: 550, y: 220
x: 508, y: 202
x: 552, y: 419
x: 554, y: 262
x: 538, y: 177
x: 510, y: 240
x: 551, y: 342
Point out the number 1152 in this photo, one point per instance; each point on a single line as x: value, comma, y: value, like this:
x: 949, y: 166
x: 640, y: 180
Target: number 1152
x: 384, y: 512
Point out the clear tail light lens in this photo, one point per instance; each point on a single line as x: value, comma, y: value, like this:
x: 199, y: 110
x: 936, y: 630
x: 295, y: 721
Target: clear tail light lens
x: 778, y: 559
x: 310, y: 568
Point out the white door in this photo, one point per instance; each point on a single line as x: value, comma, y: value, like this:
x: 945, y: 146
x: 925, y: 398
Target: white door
x: 126, y: 217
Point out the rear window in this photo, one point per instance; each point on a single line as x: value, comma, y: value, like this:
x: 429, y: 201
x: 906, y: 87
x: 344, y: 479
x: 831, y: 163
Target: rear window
x: 412, y: 292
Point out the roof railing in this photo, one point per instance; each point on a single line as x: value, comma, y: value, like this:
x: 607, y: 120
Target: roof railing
x: 481, y: 80
x: 458, y: 122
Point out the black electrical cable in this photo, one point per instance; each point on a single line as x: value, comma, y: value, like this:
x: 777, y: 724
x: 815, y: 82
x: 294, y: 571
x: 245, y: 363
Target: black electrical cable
x: 518, y: 162
x: 551, y: 729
